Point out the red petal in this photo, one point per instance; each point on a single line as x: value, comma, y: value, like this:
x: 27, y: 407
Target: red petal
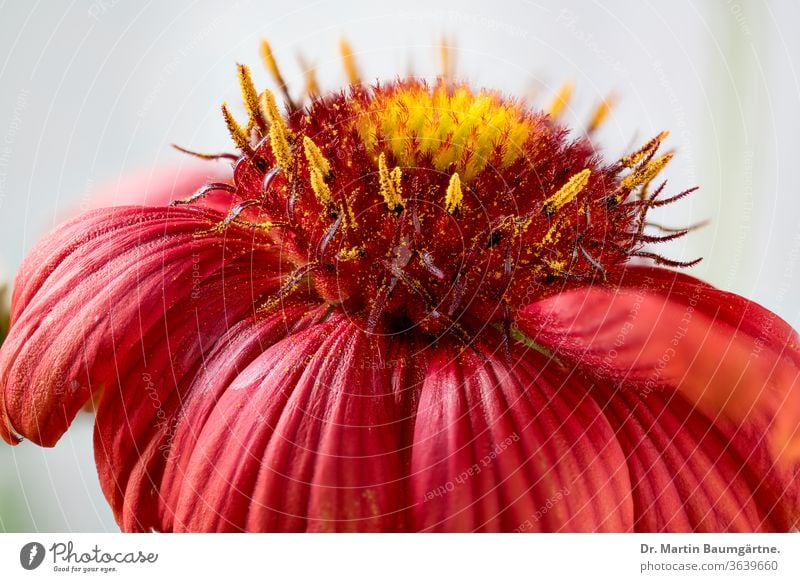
x: 144, y: 462
x: 159, y: 186
x: 514, y: 448
x: 737, y: 362
x: 690, y: 474
x: 308, y: 437
x: 90, y: 292
x: 665, y: 329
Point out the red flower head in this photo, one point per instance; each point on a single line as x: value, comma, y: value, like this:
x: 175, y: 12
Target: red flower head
x: 417, y: 311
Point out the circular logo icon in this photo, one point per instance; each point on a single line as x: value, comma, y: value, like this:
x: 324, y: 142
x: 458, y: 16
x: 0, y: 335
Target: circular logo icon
x: 31, y: 555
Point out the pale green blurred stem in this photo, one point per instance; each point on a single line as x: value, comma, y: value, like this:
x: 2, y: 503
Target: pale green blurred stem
x: 731, y: 170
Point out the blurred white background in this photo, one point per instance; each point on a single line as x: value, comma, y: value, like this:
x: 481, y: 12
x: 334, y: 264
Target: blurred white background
x: 92, y: 90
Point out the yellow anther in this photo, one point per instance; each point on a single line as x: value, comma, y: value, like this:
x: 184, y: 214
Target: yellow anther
x: 238, y: 134
x: 321, y: 189
x: 454, y: 195
x: 349, y: 62
x: 561, y: 100
x: 250, y: 97
x: 316, y: 160
x: 646, y: 173
x: 312, y: 85
x: 567, y: 192
x: 310, y: 74
x: 601, y: 113
x: 447, y: 60
x: 272, y: 66
x: 390, y: 184
x: 397, y: 179
x: 278, y: 132
x: 460, y: 131
x: 318, y: 169
x: 348, y: 221
x: 632, y: 159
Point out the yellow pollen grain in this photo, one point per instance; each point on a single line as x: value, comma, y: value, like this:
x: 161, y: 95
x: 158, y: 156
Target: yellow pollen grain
x: 553, y: 234
x: 522, y: 225
x: 278, y: 132
x: 349, y: 62
x: 316, y: 160
x: 454, y: 195
x: 250, y: 97
x: 646, y: 173
x: 265, y: 226
x: 352, y: 216
x: 237, y: 132
x: 350, y: 254
x: 632, y: 159
x: 390, y: 184
x: 568, y: 191
x: 561, y: 100
x: 600, y: 113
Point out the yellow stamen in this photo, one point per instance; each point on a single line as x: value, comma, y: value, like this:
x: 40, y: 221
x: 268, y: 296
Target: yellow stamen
x: 271, y: 64
x: 316, y: 160
x: 274, y: 71
x: 250, y: 97
x: 310, y: 74
x: 561, y: 100
x: 321, y: 189
x: 390, y: 184
x: 632, y: 159
x: 646, y: 173
x: 447, y: 61
x: 237, y: 133
x: 350, y: 222
x: 318, y: 169
x: 397, y: 176
x: 459, y: 131
x: 601, y: 113
x: 349, y: 61
x: 568, y: 191
x: 278, y: 132
x: 454, y: 195
x: 312, y: 85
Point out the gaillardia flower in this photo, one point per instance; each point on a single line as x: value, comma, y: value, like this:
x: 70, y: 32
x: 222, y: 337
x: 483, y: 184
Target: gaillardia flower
x: 414, y: 307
